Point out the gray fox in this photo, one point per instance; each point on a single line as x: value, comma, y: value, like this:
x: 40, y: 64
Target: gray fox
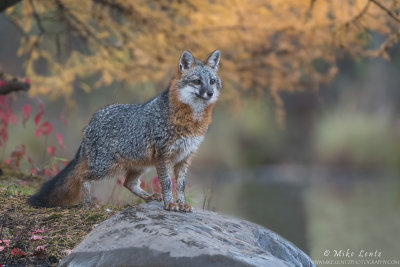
x: 129, y: 138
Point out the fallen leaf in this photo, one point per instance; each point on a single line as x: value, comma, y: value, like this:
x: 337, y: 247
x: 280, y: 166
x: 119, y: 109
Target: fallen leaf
x: 17, y: 252
x: 36, y: 237
x: 37, y: 231
x: 40, y: 252
x: 67, y: 251
x: 5, y: 241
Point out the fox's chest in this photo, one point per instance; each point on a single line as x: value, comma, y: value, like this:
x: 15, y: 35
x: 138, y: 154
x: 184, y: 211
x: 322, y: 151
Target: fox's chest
x: 184, y: 146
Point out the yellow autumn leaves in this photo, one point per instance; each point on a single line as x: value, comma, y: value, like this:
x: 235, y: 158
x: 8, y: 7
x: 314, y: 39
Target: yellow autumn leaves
x: 267, y: 46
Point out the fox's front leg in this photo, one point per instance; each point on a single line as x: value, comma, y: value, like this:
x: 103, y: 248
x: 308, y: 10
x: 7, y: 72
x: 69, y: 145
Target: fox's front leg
x: 164, y: 170
x: 180, y: 171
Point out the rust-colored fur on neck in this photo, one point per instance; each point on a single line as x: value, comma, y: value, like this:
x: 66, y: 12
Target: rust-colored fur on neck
x: 181, y: 115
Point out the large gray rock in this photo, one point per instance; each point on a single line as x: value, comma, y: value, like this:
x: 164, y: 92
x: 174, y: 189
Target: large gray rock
x: 149, y: 236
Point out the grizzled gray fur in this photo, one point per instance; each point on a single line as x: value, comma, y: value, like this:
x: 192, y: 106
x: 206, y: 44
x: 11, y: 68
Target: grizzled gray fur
x: 124, y: 131
x: 129, y: 138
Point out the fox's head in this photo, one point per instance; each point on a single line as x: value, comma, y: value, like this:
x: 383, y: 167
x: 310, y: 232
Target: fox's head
x: 199, y: 83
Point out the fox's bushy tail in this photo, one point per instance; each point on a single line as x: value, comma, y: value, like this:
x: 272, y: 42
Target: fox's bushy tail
x: 64, y: 188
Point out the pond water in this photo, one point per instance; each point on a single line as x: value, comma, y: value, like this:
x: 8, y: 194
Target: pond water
x: 324, y: 211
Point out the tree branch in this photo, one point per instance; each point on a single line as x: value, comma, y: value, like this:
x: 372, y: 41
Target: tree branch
x: 76, y: 24
x: 118, y: 7
x: 390, y: 13
x: 14, y: 85
x: 310, y: 8
x: 359, y: 15
x: 37, y: 18
x: 4, y: 4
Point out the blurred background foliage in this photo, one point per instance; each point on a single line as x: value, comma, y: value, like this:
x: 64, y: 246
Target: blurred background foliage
x: 268, y: 46
x: 306, y: 137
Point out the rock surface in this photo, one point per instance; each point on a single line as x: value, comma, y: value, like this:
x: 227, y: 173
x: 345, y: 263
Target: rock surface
x: 149, y: 236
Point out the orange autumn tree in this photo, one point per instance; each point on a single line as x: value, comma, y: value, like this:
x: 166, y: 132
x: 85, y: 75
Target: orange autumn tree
x: 267, y: 45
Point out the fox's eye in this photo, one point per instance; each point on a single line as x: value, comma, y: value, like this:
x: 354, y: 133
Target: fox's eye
x: 212, y: 81
x: 196, y: 82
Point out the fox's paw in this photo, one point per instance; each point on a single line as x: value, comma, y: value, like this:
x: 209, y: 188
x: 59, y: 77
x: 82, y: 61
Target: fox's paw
x: 155, y: 196
x: 171, y: 207
x: 185, y: 207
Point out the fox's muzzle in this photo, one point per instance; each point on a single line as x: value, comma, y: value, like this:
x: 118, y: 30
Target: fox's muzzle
x: 205, y: 93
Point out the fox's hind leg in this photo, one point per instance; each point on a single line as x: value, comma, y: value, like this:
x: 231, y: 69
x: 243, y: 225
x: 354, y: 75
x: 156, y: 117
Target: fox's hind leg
x: 132, y: 182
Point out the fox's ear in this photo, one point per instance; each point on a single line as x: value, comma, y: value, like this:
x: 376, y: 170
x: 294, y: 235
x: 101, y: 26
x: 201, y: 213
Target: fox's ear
x: 186, y: 61
x: 213, y: 59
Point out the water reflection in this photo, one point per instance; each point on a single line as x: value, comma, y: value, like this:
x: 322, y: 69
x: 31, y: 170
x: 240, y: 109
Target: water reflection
x: 316, y: 208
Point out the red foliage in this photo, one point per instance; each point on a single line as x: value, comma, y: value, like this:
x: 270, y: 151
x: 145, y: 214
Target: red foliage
x: 26, y: 112
x: 44, y: 129
x: 33, y: 171
x: 6, y: 117
x: 19, y: 152
x: 157, y: 187
x: 22, y: 182
x: 51, y: 150
x: 47, y: 171
x: 144, y: 185
x: 60, y: 140
x: 40, y: 113
x: 64, y: 121
x: 50, y: 170
x: 17, y: 252
x: 56, y: 168
x: 17, y: 155
x: 13, y: 119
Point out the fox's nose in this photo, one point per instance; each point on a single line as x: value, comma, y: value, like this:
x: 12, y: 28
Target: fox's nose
x: 205, y: 93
